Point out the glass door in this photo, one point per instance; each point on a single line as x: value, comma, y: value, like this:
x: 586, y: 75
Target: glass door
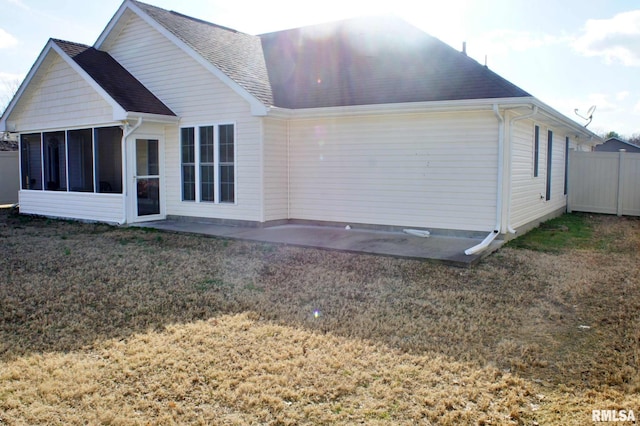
x: 147, y: 177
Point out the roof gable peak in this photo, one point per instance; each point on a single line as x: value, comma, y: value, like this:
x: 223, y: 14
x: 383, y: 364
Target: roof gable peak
x: 234, y: 57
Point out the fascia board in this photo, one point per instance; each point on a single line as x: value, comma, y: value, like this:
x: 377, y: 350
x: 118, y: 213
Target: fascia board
x: 437, y: 106
x: 155, y: 118
x: 406, y: 108
x: 567, y: 122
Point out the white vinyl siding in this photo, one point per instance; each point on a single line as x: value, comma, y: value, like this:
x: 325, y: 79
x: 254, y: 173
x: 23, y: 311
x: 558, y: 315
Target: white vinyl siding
x: 73, y: 205
x: 276, y: 170
x: 58, y: 97
x: 197, y: 97
x: 528, y: 192
x: 423, y: 170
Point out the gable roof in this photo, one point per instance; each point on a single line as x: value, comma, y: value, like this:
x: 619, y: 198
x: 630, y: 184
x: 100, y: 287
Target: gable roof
x: 373, y: 61
x: 358, y: 61
x: 236, y: 54
x: 615, y: 145
x: 119, y: 84
x: 103, y: 73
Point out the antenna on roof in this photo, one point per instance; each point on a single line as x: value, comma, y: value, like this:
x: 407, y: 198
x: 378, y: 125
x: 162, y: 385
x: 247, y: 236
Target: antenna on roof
x: 485, y: 61
x: 588, y: 117
x: 464, y: 48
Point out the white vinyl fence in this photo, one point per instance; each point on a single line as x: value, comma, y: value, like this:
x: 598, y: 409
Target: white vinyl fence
x: 604, y: 182
x: 9, y: 178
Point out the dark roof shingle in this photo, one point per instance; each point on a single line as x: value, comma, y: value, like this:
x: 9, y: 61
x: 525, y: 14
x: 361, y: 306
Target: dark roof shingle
x: 123, y: 87
x: 353, y: 62
x: 372, y: 61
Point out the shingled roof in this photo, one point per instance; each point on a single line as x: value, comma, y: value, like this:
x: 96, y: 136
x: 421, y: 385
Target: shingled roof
x: 124, y: 88
x: 373, y: 61
x: 352, y: 62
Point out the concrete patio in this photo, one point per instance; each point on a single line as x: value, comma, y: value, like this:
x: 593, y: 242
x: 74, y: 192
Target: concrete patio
x: 442, y: 248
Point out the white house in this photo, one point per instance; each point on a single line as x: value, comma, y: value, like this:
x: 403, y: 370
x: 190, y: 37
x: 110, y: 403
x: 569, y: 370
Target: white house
x: 366, y: 121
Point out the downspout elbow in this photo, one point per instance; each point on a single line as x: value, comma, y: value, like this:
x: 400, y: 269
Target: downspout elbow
x: 484, y: 244
x: 496, y: 230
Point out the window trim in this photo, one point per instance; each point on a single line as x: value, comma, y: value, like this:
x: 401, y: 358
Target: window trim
x: 216, y: 162
x: 190, y: 164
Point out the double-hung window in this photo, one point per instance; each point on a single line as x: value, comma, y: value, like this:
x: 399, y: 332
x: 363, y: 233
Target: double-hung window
x: 208, y: 163
x: 187, y: 142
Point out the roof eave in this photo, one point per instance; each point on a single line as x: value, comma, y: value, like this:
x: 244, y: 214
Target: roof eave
x: 155, y: 118
x: 581, y: 133
x: 441, y: 106
x: 405, y: 107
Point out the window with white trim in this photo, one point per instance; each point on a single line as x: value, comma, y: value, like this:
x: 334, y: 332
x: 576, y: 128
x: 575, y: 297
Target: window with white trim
x: 187, y: 142
x: 208, y: 163
x: 227, y: 163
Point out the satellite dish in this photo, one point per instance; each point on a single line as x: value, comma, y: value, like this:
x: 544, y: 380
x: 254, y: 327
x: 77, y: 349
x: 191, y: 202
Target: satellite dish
x: 588, y: 117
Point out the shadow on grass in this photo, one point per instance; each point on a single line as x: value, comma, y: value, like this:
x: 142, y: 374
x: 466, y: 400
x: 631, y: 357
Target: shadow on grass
x: 68, y: 286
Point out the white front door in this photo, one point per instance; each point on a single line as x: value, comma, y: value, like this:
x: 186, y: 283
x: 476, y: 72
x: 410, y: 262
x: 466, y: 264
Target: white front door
x: 146, y: 193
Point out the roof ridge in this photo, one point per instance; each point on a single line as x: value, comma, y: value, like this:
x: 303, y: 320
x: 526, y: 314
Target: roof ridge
x: 202, y: 21
x: 192, y: 18
x: 58, y: 40
x: 338, y: 22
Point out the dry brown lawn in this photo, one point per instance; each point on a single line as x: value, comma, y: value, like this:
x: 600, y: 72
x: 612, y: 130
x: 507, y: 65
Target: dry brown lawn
x: 108, y: 325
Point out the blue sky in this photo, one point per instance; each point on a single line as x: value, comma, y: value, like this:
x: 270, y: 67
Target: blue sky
x: 570, y: 54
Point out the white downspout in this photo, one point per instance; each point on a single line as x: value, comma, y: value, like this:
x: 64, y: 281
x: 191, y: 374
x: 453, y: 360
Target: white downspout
x: 288, y: 169
x: 127, y: 131
x: 496, y: 230
x: 513, y: 120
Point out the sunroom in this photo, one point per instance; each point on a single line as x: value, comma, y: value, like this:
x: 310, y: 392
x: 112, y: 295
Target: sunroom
x: 78, y: 151
x: 79, y: 160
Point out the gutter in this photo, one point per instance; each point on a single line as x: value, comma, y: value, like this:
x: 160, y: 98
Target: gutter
x: 496, y: 230
x: 126, y: 132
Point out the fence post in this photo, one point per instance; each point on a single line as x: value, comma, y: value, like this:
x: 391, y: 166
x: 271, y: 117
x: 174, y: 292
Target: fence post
x: 620, y: 181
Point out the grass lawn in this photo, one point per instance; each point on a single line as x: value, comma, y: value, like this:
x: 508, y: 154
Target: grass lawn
x: 108, y: 325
